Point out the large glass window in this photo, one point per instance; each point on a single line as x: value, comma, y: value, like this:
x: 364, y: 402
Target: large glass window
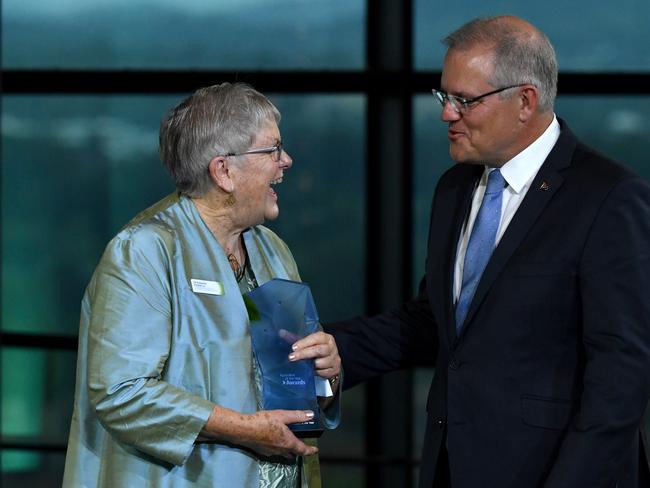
x: 617, y: 126
x: 228, y: 34
x: 45, y: 468
x: 76, y: 167
x: 587, y: 35
x: 74, y: 170
x: 37, y: 390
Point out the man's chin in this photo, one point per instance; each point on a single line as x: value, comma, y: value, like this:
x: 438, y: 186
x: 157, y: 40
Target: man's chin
x: 458, y: 159
x: 461, y: 157
x: 468, y: 162
x: 456, y: 153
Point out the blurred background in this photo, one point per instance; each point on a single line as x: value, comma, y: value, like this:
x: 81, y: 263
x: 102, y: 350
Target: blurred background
x: 85, y: 84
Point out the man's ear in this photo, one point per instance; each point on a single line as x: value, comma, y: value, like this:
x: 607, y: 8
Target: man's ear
x: 527, y: 103
x: 220, y: 174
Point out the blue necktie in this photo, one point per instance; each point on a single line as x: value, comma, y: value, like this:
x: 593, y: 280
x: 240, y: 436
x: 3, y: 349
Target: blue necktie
x: 481, y: 243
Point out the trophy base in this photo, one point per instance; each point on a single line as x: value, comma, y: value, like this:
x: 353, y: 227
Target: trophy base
x: 306, y: 430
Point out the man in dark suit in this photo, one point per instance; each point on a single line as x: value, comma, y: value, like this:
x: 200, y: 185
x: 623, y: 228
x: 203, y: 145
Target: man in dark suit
x: 535, y: 304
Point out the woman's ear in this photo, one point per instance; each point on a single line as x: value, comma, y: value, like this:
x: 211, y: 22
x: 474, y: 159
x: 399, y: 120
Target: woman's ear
x: 220, y: 174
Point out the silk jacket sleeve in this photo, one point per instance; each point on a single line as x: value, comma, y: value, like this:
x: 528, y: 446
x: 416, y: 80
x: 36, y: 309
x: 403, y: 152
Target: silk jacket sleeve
x: 129, y: 341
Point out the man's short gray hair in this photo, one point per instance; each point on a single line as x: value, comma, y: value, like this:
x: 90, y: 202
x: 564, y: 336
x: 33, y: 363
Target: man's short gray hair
x: 214, y: 121
x: 520, y: 55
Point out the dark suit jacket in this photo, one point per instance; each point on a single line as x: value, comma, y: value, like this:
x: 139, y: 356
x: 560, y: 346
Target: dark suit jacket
x: 548, y: 381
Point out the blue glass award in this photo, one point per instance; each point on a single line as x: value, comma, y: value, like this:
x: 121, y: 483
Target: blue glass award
x: 280, y: 313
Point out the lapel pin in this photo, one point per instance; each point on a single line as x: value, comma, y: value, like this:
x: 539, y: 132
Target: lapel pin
x: 543, y: 186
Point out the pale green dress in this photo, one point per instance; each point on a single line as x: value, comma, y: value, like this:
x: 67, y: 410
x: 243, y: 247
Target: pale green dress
x: 155, y: 356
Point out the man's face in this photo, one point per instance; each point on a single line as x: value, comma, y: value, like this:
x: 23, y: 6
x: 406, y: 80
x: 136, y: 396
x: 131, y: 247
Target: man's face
x: 486, y: 133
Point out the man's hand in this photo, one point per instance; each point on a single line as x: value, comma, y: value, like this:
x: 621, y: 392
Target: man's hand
x: 320, y: 347
x: 265, y: 432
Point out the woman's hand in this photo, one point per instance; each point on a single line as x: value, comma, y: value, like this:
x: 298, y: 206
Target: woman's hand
x: 265, y: 432
x: 320, y: 347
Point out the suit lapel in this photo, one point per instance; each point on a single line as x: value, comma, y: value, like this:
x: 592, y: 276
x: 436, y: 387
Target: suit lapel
x: 455, y: 203
x: 541, y: 191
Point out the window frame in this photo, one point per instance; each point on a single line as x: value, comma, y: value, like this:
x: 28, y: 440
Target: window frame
x: 389, y: 83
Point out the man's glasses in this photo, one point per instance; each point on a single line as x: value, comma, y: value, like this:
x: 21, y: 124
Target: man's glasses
x: 463, y: 105
x: 274, y: 151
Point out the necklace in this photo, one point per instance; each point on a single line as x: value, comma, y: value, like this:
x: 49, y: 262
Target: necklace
x: 238, y: 269
x: 251, y: 282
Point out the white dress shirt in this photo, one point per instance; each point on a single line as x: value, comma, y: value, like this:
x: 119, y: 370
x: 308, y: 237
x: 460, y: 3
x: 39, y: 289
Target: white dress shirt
x: 519, y: 174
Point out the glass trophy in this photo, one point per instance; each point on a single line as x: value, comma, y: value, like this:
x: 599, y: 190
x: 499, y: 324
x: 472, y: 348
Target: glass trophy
x: 280, y: 313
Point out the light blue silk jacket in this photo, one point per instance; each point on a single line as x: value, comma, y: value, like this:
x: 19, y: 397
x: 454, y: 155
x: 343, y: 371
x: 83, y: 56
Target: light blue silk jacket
x: 155, y: 357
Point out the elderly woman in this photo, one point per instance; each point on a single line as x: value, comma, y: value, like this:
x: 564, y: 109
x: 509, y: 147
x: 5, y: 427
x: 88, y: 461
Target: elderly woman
x: 168, y: 389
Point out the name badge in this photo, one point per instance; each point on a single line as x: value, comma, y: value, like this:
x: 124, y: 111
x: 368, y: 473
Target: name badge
x: 207, y: 287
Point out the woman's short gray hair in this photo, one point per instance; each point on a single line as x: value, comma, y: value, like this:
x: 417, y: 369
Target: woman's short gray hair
x: 216, y: 120
x: 520, y: 55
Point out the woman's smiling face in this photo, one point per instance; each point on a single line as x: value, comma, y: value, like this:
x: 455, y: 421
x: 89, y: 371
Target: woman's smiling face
x: 256, y: 200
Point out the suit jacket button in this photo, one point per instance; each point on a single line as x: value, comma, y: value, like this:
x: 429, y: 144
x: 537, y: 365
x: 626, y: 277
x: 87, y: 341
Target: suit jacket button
x: 440, y: 423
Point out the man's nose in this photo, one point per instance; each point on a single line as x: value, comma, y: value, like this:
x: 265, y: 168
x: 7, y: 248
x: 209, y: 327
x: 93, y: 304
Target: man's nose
x: 449, y: 113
